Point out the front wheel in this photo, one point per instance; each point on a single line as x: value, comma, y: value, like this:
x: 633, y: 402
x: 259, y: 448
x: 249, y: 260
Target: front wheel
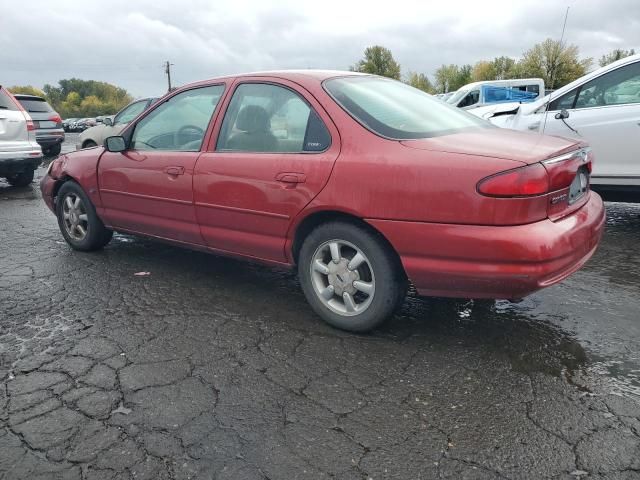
x: 89, y: 144
x: 350, y: 276
x: 80, y: 225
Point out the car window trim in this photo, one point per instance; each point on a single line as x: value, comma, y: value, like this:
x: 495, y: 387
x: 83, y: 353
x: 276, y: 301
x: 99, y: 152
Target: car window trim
x: 276, y: 84
x: 131, y: 127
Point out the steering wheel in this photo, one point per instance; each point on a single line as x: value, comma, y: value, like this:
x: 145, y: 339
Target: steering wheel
x: 190, y: 131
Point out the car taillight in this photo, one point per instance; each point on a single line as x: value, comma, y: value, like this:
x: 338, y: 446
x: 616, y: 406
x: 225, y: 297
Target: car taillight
x: 528, y: 181
x: 30, y: 126
x: 563, y: 170
x: 56, y: 118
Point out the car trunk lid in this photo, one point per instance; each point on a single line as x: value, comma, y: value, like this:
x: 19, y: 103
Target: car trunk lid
x: 521, y: 147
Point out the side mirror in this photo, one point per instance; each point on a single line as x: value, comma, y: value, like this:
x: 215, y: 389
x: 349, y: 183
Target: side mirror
x: 107, y: 121
x: 562, y: 114
x: 115, y: 144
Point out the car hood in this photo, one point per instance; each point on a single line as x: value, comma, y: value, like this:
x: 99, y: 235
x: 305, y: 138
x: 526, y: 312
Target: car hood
x: 506, y: 144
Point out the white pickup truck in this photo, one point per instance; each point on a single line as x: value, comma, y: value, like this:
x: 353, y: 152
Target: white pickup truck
x: 603, y: 108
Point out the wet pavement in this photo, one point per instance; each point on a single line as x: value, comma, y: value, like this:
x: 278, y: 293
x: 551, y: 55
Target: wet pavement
x: 216, y: 369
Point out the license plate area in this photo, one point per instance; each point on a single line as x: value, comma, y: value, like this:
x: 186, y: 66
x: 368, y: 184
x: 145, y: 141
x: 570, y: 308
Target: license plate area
x: 580, y: 185
x: 47, y: 124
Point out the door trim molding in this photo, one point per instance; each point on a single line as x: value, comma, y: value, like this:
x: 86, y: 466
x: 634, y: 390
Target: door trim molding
x: 147, y: 197
x: 242, y: 210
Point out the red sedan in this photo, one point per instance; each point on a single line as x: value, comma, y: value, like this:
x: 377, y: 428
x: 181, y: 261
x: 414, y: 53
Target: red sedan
x: 361, y: 182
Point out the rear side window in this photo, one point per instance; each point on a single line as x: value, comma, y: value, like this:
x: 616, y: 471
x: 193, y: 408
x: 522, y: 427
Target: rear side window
x: 266, y: 118
x: 6, y: 103
x: 35, y: 105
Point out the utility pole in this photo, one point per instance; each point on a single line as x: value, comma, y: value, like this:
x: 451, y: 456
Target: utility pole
x: 167, y: 70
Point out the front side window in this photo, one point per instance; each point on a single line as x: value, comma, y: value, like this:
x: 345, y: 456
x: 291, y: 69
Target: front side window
x: 618, y: 87
x: 129, y: 113
x: 395, y: 110
x: 179, y: 124
x: 268, y: 118
x: 471, y: 99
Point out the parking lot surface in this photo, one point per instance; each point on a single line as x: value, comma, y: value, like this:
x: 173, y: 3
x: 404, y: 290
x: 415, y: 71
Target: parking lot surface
x: 212, y: 368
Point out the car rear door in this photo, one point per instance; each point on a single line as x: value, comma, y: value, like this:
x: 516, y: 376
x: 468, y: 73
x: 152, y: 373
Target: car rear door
x: 148, y: 188
x: 274, y: 153
x: 606, y: 113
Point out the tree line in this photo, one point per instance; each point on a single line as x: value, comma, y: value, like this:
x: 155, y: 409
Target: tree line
x: 553, y: 61
x: 80, y: 98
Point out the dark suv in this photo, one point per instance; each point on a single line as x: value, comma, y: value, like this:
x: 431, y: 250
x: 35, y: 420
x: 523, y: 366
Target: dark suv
x: 49, y: 131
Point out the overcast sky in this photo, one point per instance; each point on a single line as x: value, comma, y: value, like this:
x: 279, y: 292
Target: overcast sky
x: 125, y: 42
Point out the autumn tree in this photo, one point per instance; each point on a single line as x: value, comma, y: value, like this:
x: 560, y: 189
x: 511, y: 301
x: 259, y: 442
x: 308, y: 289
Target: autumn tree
x: 555, y: 62
x: 614, y: 56
x: 420, y: 81
x: 27, y: 90
x: 378, y: 60
x: 86, y: 98
x: 483, y: 70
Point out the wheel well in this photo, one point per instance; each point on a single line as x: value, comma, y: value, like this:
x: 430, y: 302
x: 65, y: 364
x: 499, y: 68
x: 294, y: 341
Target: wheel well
x: 313, y: 220
x: 88, y: 140
x: 59, y: 183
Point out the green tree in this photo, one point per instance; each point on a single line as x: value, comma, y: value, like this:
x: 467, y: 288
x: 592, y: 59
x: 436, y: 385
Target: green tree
x: 27, y: 90
x: 378, y: 61
x: 556, y: 63
x: 449, y: 78
x: 504, y: 68
x: 420, y: 81
x: 615, y: 55
x: 86, y: 98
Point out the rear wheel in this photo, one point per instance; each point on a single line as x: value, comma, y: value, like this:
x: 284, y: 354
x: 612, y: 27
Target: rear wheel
x: 89, y: 144
x: 21, y: 179
x: 80, y: 225
x: 53, y: 150
x: 350, y: 277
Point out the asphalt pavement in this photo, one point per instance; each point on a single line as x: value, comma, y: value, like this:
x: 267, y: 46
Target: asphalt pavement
x: 211, y: 368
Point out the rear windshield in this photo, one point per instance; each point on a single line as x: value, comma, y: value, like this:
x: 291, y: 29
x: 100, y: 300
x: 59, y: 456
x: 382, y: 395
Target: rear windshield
x: 6, y: 103
x: 35, y: 105
x: 395, y: 110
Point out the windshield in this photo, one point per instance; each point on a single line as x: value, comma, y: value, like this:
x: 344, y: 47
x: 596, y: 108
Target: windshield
x: 456, y: 96
x: 395, y: 110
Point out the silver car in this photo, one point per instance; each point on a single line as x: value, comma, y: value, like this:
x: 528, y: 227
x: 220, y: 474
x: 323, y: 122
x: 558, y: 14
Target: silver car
x: 20, y: 154
x: 94, y: 136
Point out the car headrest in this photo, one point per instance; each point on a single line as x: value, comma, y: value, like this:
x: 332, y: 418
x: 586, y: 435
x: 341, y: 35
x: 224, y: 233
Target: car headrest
x: 253, y: 118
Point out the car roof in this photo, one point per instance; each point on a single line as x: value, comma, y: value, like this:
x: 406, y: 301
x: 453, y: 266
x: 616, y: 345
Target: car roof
x: 294, y: 75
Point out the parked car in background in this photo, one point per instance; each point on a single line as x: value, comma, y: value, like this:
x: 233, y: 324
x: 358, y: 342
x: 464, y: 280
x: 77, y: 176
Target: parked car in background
x: 67, y: 123
x: 49, y: 131
x: 113, y: 125
x: 20, y: 153
x: 84, y: 123
x: 487, y: 92
x: 602, y: 108
x: 360, y: 182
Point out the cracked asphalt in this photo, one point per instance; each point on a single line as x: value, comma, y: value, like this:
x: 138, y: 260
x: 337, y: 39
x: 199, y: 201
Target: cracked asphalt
x: 210, y: 368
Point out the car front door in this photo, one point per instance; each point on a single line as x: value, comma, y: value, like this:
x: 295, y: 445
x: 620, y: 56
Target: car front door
x: 274, y: 153
x: 148, y: 188
x: 606, y: 113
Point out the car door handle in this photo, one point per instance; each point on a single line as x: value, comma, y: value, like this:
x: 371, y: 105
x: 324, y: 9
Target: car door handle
x: 174, y: 171
x: 291, y: 178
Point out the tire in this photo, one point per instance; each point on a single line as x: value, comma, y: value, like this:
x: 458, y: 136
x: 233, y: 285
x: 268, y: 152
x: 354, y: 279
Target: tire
x: 73, y: 202
x: 21, y: 179
x: 53, y: 150
x: 325, y: 281
x: 89, y: 144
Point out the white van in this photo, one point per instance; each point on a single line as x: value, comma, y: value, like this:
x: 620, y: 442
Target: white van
x: 488, y: 92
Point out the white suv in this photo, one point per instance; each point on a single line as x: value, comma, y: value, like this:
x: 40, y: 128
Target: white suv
x: 603, y: 108
x: 20, y: 154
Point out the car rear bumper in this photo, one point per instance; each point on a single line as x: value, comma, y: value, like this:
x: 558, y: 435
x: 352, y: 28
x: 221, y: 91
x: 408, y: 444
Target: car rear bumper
x: 49, y: 138
x: 16, y: 162
x: 470, y: 261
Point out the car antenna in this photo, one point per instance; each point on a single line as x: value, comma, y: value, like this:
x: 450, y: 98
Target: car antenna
x: 553, y: 72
